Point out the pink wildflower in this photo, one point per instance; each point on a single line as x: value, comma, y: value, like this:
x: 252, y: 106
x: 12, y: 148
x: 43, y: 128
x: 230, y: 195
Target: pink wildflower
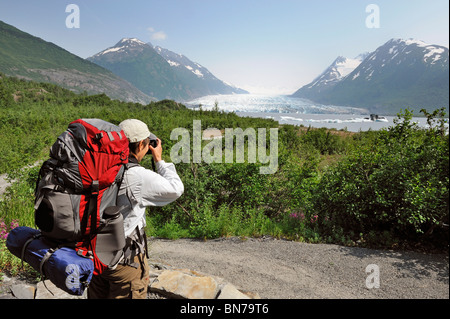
x: 4, y: 231
x: 299, y: 216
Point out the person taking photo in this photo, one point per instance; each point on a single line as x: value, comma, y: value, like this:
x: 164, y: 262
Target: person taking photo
x: 140, y: 188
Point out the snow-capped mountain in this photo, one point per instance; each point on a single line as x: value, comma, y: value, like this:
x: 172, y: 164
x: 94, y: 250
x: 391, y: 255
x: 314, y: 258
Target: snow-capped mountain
x: 199, y: 77
x: 399, y: 74
x: 138, y: 63
x: 124, y: 46
x: 338, y: 70
x: 180, y: 61
x: 399, y: 55
x: 160, y: 73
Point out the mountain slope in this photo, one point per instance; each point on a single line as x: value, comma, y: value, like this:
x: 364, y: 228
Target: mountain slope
x: 336, y: 72
x: 201, y: 81
x: 399, y: 74
x: 32, y: 58
x: 141, y: 65
x: 160, y: 72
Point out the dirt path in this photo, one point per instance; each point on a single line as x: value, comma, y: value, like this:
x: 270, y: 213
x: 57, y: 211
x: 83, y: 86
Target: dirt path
x: 280, y: 269
x: 4, y: 183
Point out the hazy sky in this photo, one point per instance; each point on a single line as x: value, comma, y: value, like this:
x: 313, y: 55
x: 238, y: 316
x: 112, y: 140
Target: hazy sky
x: 265, y: 46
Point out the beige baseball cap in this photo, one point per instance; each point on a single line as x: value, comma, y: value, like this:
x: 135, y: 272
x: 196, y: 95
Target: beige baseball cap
x: 135, y: 130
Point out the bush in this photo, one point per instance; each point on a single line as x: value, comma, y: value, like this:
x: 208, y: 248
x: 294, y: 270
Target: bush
x: 398, y: 184
x: 324, y: 141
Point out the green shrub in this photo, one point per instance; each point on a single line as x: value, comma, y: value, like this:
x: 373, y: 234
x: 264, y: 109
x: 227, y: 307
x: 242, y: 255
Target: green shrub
x: 397, y: 184
x: 324, y: 141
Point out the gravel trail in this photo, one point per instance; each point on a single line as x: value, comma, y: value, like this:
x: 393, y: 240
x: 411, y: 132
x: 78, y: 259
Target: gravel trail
x: 280, y: 269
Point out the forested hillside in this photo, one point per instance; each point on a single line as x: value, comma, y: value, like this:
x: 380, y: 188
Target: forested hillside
x: 26, y: 56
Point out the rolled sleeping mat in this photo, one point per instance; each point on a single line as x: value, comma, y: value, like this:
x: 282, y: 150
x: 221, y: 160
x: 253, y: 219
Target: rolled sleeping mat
x: 61, y: 265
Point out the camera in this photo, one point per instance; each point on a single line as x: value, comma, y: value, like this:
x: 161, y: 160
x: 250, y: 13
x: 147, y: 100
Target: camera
x: 153, y: 142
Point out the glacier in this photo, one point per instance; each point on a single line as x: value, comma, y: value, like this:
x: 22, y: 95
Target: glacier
x: 269, y: 104
x: 296, y: 111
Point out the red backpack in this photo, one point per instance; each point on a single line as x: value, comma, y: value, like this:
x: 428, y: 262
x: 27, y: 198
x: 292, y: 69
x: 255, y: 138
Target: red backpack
x: 76, y: 191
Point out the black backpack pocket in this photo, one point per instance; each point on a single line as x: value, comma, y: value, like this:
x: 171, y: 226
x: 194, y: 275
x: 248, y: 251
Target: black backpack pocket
x: 56, y: 217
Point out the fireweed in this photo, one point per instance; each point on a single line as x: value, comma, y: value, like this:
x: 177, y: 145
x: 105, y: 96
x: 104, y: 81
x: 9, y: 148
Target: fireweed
x: 4, y: 231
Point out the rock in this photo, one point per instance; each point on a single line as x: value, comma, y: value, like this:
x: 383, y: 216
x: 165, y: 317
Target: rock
x: 230, y: 292
x: 23, y: 291
x: 189, y: 284
x: 47, y: 290
x: 177, y: 284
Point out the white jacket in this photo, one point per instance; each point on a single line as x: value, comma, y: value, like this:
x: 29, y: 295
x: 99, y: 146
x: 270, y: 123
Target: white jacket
x: 144, y: 188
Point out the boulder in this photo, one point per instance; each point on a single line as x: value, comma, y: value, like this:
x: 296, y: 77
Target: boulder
x: 23, y: 291
x: 177, y: 284
x: 189, y: 284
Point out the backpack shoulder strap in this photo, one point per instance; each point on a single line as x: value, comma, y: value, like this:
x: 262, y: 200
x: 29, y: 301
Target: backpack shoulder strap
x: 132, y: 162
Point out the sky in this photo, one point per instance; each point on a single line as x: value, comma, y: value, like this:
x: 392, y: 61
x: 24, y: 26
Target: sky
x: 263, y: 46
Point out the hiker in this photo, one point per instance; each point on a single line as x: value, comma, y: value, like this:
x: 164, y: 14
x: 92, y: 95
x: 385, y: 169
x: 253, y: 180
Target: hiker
x: 140, y: 188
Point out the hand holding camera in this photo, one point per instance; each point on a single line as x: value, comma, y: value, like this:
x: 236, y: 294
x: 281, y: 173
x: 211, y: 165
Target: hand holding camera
x: 155, y: 148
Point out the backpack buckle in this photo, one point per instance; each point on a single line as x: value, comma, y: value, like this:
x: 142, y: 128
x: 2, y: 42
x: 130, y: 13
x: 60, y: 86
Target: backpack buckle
x: 95, y: 186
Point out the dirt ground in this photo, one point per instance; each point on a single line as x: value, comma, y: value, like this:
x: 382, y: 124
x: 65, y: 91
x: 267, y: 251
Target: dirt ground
x: 280, y: 269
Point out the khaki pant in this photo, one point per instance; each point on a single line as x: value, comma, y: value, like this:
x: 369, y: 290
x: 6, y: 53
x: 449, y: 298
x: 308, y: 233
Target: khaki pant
x: 124, y: 282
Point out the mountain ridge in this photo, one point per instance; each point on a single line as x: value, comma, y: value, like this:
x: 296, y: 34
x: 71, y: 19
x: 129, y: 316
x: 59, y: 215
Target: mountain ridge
x: 29, y: 57
x: 338, y: 70
x: 160, y: 72
x: 138, y: 63
x: 207, y: 83
x: 398, y: 74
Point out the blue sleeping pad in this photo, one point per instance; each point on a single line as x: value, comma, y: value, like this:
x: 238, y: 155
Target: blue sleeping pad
x: 62, y: 266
